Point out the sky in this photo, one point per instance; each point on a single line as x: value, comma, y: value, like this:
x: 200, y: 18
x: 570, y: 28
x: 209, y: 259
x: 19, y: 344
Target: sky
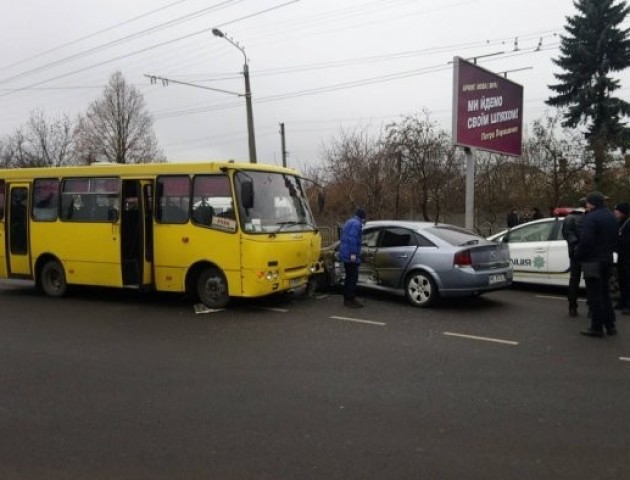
x: 320, y: 67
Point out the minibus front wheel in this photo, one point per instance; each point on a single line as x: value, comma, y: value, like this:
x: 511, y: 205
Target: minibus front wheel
x: 53, y: 279
x: 212, y: 288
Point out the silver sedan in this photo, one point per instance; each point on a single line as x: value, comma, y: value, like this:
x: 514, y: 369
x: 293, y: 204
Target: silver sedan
x: 424, y: 261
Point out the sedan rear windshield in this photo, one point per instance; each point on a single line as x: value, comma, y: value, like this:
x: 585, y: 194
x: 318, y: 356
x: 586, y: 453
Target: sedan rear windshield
x: 455, y: 236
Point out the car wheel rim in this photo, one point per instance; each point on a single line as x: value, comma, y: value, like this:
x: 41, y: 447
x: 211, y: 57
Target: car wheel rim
x: 419, y: 289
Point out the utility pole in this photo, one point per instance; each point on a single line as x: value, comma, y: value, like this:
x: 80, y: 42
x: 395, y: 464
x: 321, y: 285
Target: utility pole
x: 284, y: 147
x: 248, y: 94
x: 250, y: 114
x: 398, y: 180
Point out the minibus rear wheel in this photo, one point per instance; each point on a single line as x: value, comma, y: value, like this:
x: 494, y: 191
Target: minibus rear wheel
x: 53, y: 279
x: 212, y: 288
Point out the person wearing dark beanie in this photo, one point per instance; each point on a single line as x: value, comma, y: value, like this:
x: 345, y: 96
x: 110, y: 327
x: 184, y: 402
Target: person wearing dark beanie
x: 594, y: 251
x: 596, y: 199
x: 622, y: 211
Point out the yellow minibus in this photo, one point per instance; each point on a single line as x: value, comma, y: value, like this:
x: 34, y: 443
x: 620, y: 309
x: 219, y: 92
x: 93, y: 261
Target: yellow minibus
x: 217, y: 229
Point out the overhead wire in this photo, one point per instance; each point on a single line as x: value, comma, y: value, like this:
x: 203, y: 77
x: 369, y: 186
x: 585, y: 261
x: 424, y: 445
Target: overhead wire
x: 119, y: 41
x: 146, y: 49
x: 91, y: 35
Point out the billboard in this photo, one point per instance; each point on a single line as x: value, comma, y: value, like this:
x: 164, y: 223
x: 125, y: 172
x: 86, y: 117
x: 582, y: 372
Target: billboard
x: 487, y: 110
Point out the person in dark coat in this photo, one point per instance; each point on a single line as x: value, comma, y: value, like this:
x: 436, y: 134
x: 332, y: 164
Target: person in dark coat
x: 350, y: 255
x: 537, y: 215
x: 598, y: 240
x: 512, y: 218
x: 622, y: 212
x: 571, y: 231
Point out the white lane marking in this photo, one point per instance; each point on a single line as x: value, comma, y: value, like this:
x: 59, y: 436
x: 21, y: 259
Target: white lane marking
x: 485, y: 339
x: 358, y: 320
x: 276, y: 309
x: 624, y: 359
x: 550, y: 297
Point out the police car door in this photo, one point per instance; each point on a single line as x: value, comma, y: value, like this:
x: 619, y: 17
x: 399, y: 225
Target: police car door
x: 529, y: 250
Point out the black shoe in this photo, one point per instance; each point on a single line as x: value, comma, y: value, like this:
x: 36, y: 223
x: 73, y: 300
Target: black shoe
x: 612, y: 331
x: 589, y: 332
x: 352, y: 304
x: 572, y: 311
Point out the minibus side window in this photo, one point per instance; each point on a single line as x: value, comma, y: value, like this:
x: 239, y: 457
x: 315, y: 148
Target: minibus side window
x: 45, y: 199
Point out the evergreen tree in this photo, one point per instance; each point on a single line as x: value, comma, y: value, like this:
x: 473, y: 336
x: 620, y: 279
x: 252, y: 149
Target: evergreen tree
x: 593, y: 48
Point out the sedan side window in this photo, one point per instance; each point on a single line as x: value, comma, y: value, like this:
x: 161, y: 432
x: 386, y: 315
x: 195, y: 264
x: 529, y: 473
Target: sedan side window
x: 396, y: 237
x: 369, y: 238
x: 538, y: 232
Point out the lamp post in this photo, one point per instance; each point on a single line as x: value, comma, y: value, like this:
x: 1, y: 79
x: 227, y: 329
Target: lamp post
x: 248, y: 96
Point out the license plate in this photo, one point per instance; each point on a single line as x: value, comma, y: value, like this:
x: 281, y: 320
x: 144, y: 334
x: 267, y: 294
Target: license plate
x: 497, y: 278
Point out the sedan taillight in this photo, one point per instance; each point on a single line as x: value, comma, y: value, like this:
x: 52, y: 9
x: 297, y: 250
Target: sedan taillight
x: 462, y: 259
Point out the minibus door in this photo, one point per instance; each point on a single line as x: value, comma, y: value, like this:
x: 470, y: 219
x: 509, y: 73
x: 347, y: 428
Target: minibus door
x: 147, y: 209
x: 137, y: 232
x: 19, y: 264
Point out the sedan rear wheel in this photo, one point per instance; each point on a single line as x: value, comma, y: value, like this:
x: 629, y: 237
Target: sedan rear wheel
x: 420, y: 289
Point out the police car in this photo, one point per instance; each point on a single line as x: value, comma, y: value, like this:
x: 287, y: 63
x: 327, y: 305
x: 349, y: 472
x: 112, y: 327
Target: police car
x: 539, y: 253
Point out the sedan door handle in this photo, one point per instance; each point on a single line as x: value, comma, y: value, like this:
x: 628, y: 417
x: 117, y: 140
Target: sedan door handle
x: 540, y: 250
x: 402, y: 256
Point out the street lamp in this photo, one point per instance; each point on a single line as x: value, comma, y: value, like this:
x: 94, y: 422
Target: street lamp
x: 248, y: 96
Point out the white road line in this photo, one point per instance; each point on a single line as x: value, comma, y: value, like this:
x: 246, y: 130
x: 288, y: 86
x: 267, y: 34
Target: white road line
x: 358, y: 320
x: 485, y: 339
x: 553, y: 297
x: 624, y: 359
x: 276, y: 309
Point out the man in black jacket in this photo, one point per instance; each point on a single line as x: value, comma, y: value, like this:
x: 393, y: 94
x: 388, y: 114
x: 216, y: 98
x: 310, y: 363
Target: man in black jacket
x: 595, y: 249
x: 622, y: 212
x: 571, y: 231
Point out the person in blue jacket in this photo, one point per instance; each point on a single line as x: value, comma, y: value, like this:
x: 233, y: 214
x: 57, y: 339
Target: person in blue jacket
x: 350, y: 255
x: 598, y: 240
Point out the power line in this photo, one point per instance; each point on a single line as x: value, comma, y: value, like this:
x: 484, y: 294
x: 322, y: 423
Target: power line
x: 334, y: 87
x: 91, y: 35
x: 137, y: 52
x: 118, y: 41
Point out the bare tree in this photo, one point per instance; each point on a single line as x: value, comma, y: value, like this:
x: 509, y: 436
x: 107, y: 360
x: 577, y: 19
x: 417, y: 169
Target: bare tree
x: 41, y: 142
x: 428, y: 164
x: 117, y: 127
x: 562, y: 155
x: 356, y: 172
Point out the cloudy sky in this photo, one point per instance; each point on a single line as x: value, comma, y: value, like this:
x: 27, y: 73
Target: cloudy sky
x: 318, y: 66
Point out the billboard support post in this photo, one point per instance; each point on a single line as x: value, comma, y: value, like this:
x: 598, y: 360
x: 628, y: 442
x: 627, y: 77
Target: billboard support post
x: 470, y: 189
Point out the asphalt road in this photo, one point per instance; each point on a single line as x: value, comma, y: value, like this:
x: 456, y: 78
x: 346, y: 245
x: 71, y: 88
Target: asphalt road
x: 121, y: 385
